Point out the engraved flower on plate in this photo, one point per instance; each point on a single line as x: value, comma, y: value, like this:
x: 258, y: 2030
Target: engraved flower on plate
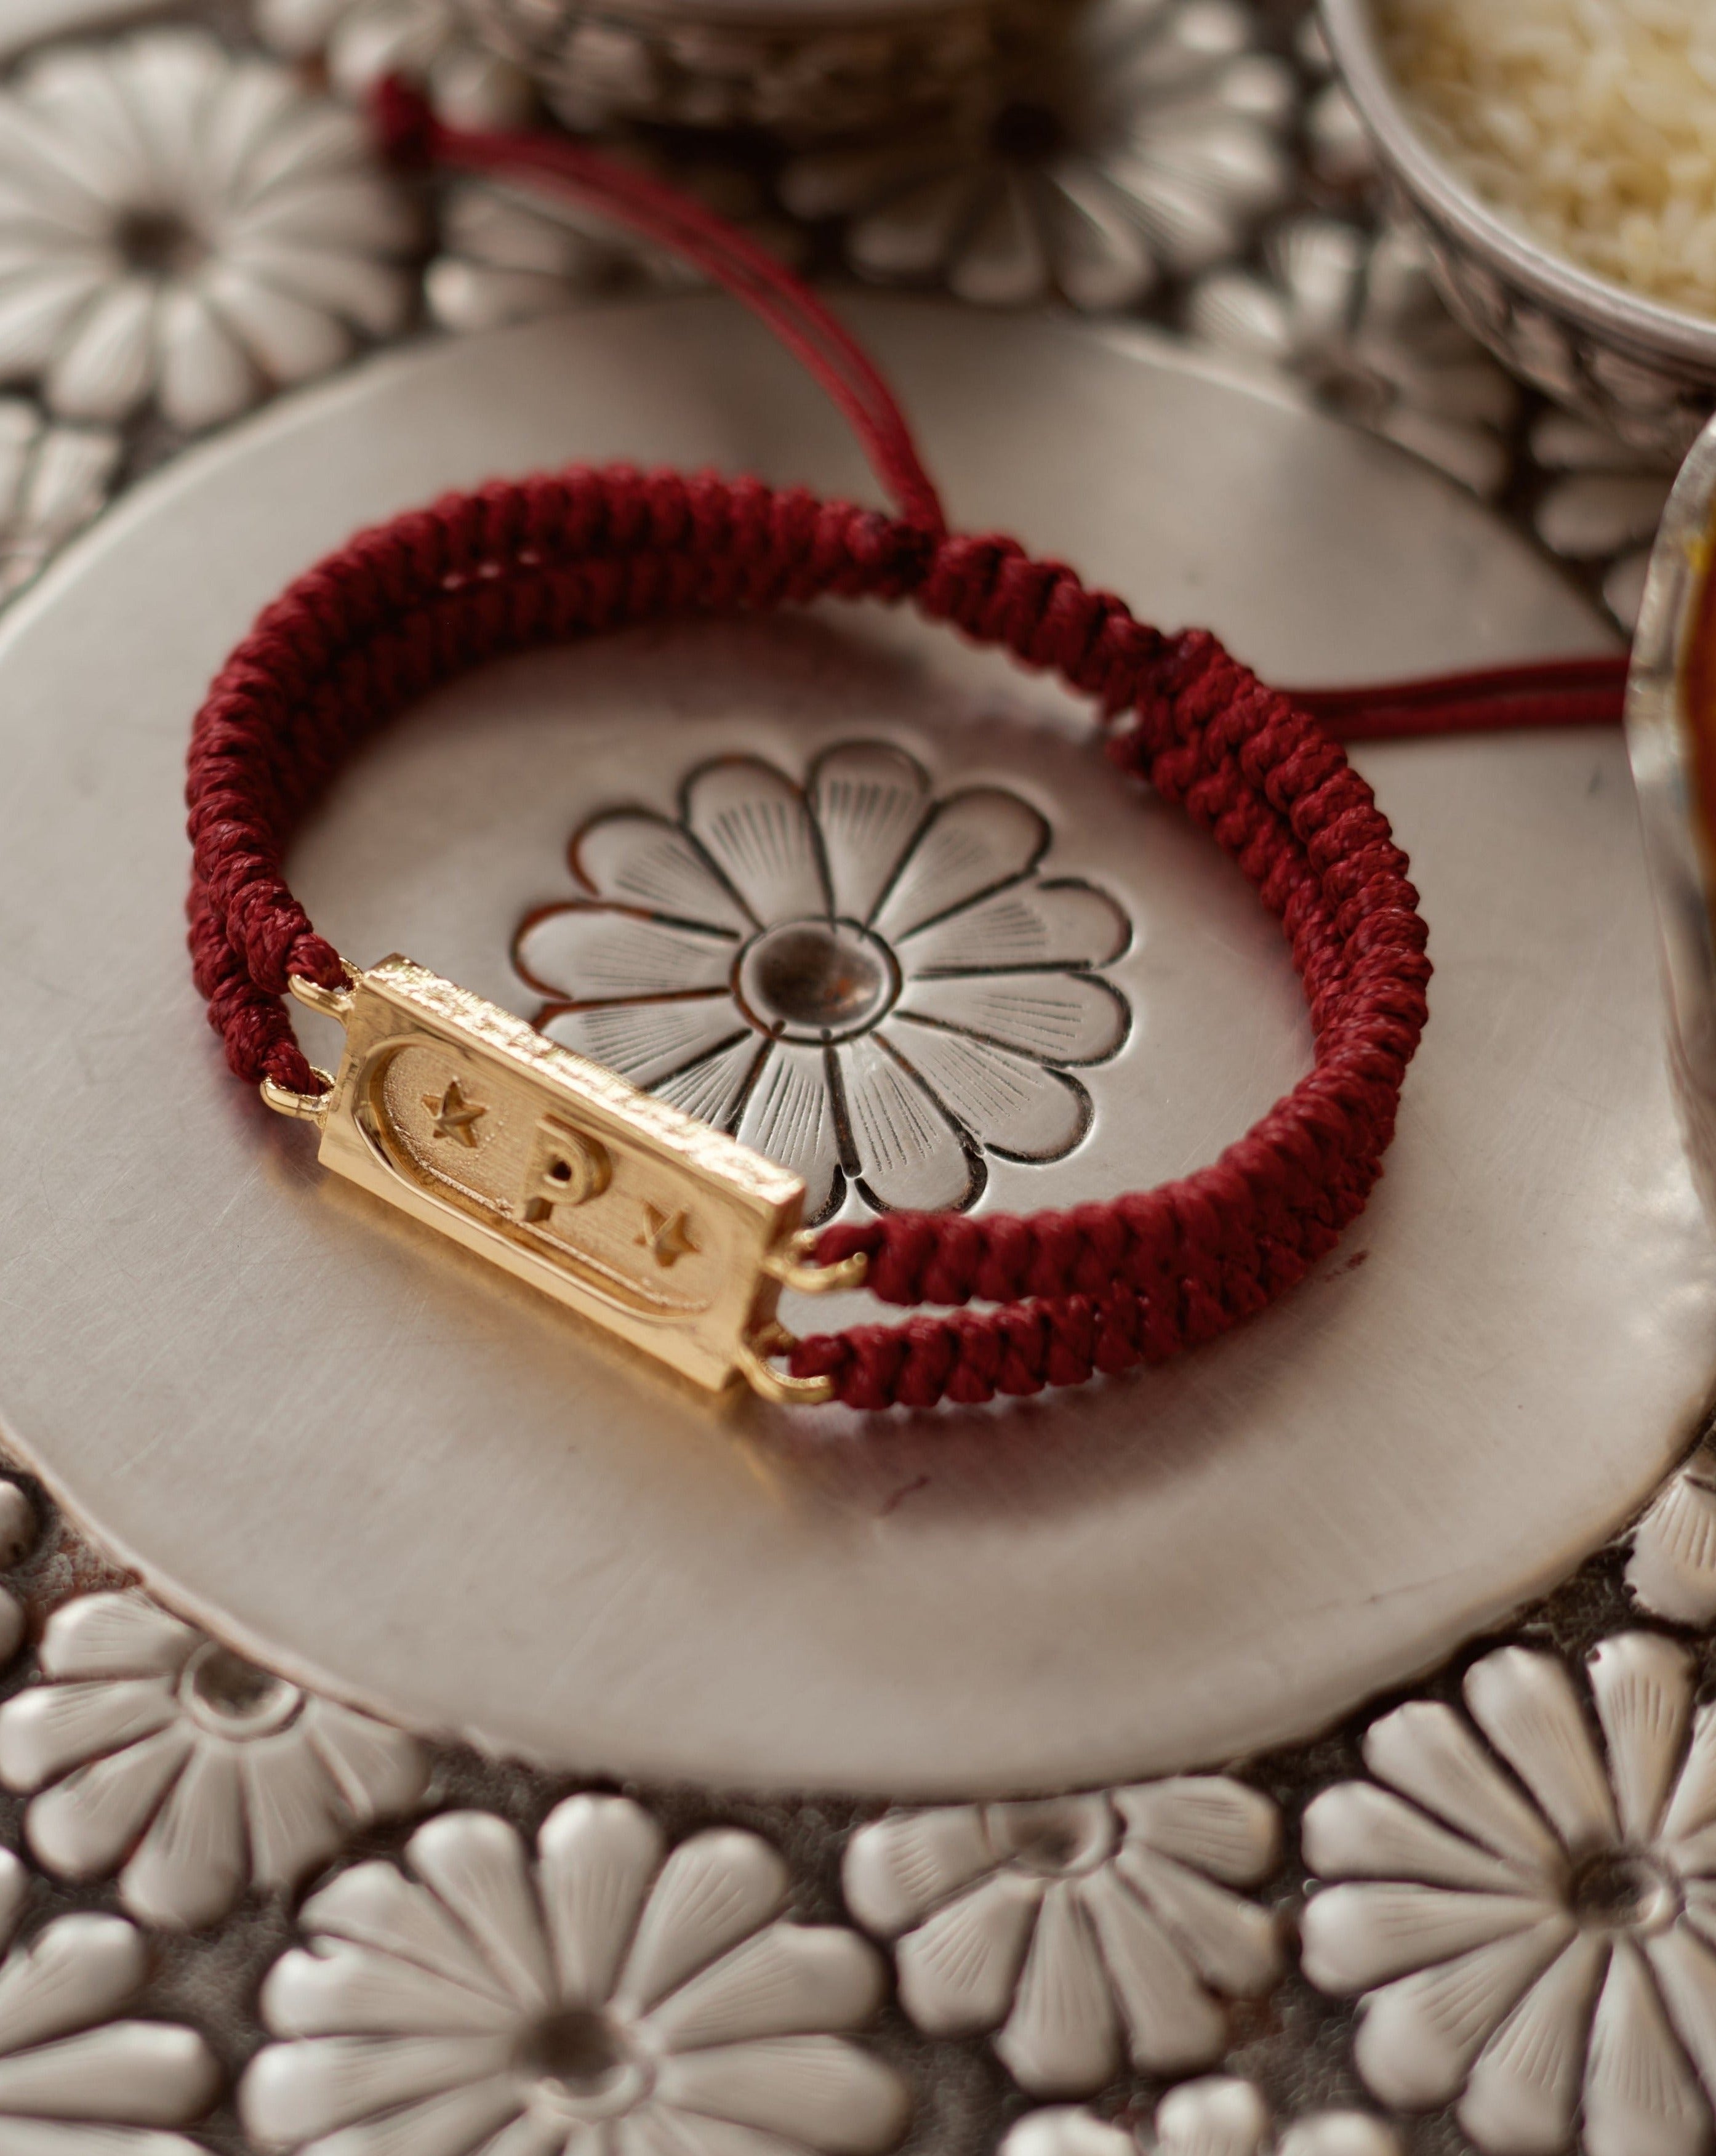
x: 1144, y: 137
x: 150, y: 1750
x: 1354, y: 314
x: 361, y: 42
x: 186, y: 229
x: 1085, y: 1929
x: 75, y: 2081
x: 858, y: 979
x: 612, y: 1999
x: 1218, y: 2116
x: 1528, y: 1908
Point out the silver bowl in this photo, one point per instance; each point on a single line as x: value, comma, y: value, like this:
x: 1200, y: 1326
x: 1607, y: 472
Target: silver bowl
x: 1672, y: 746
x: 1648, y: 370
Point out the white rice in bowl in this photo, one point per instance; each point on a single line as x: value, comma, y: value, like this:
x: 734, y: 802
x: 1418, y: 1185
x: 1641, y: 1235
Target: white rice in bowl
x: 1590, y: 123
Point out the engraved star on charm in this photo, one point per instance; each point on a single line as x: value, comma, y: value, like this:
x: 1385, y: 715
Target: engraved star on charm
x: 455, y: 1116
x: 668, y: 1236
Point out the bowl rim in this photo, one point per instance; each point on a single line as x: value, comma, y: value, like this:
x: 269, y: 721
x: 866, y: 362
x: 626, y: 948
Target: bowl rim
x: 1656, y: 330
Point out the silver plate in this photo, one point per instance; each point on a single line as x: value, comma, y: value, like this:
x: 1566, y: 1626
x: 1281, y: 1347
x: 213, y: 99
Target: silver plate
x: 356, y: 1456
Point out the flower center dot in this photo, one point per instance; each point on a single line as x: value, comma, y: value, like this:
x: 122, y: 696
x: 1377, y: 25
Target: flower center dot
x: 584, y: 2064
x: 158, y: 243
x: 815, y: 980
x: 1620, y: 1890
x: 233, y: 1697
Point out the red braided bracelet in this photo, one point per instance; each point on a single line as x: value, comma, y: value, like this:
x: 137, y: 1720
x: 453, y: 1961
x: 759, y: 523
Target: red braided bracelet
x: 1099, y: 1288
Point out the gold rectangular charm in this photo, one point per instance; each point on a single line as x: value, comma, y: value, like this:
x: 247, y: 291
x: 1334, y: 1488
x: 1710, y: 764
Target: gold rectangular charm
x: 654, y: 1225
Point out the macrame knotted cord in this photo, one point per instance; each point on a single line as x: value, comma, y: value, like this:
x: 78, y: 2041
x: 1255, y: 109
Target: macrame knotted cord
x: 429, y: 595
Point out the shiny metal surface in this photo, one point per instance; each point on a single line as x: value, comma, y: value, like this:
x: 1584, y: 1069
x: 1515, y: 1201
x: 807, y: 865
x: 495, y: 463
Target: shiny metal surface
x: 1646, y: 370
x: 1662, y: 741
x: 366, y: 1461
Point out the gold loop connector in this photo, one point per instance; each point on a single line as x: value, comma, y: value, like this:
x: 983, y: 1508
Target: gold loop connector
x: 307, y: 1107
x: 776, y: 1385
x: 331, y: 1003
x: 788, y: 1266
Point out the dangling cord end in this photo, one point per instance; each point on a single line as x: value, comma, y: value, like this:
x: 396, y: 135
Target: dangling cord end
x: 413, y: 136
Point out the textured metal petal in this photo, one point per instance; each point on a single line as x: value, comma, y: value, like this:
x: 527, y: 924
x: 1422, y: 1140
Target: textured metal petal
x: 290, y: 340
x: 649, y: 1042
x: 1013, y: 1104
x: 1062, y: 923
x: 1356, y: 1830
x: 191, y: 1866
x: 1642, y: 1686
x: 712, y: 1090
x: 1419, y: 2037
x: 913, y: 233
x: 296, y: 2093
x: 789, y: 1979
x: 476, y: 1865
x: 1358, y: 1936
x: 450, y: 2124
x: 1172, y: 2023
x: 1640, y: 2092
x: 1102, y: 260
x: 50, y: 1727
x: 1218, y: 2116
x: 106, y: 367
x: 142, y: 2073
x: 597, y: 1856
x: 344, y: 1990
x: 819, y: 2091
x: 1001, y: 259
x: 373, y: 1905
x: 1526, y: 1704
x: 293, y: 1815
x: 905, y: 1152
x: 1062, y: 2037
x: 85, y: 1825
x: 1523, y: 2092
x: 206, y: 374
x: 869, y: 800
x: 974, y: 843
x: 897, y: 1869
x: 81, y: 1969
x: 590, y: 952
x: 379, y: 1770
x: 1429, y: 1753
x: 122, y: 1634
x: 646, y: 861
x: 1209, y: 1821
x: 715, y: 1890
x: 789, y: 1117
x: 1234, y: 1945
x: 1052, y: 1018
x: 958, y: 1969
x: 1684, y: 1968
x: 754, y: 825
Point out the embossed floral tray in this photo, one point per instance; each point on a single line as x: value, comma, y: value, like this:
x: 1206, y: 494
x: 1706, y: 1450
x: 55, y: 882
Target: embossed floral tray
x: 384, y: 1481
x: 929, y: 1789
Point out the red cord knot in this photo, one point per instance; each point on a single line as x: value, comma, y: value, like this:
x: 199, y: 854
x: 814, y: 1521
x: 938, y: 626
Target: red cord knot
x: 406, y: 129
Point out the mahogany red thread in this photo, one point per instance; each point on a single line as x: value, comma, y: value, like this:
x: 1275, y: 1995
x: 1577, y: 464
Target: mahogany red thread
x: 1096, y: 1289
x: 414, y: 602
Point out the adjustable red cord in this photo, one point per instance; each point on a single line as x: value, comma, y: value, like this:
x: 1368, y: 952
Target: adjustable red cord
x: 411, y: 603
